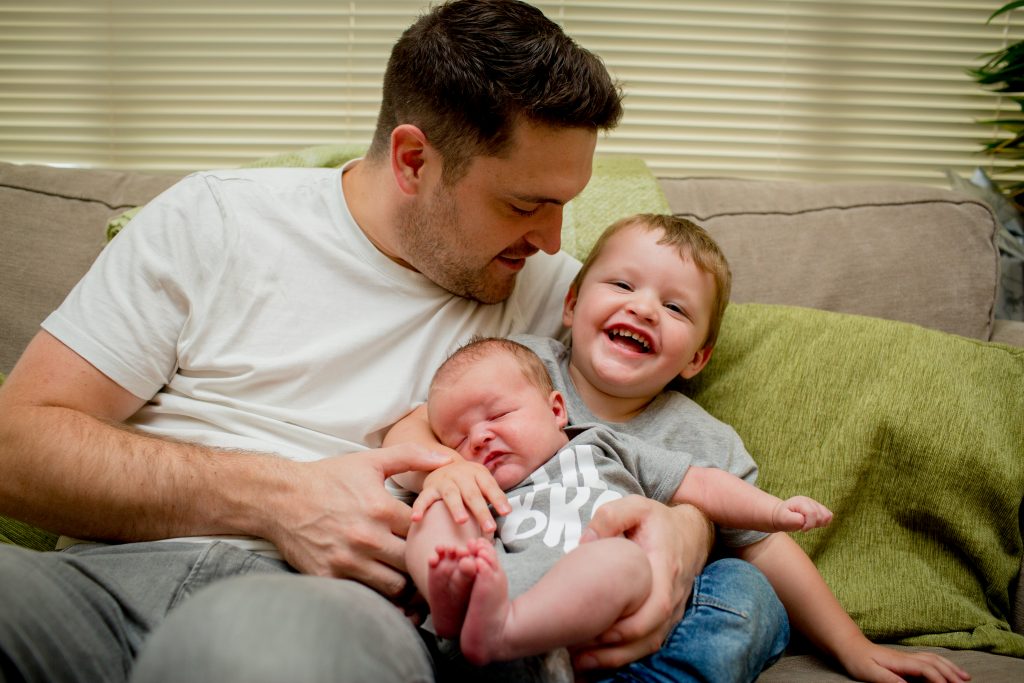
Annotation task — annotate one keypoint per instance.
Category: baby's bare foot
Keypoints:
(482, 638)
(449, 584)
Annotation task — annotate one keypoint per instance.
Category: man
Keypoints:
(249, 325)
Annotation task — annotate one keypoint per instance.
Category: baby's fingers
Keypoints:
(492, 492)
(477, 496)
(453, 500)
(423, 501)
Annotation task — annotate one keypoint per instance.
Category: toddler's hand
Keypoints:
(461, 485)
(871, 662)
(798, 513)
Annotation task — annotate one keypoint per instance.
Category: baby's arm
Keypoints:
(460, 484)
(731, 502)
(815, 612)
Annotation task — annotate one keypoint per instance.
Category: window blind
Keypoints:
(794, 89)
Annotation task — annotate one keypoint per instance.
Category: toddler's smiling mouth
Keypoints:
(629, 338)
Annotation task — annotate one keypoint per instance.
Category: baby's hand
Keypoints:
(461, 485)
(799, 513)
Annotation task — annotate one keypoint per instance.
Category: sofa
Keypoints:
(859, 361)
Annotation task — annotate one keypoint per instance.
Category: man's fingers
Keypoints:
(614, 520)
(614, 657)
(407, 457)
(630, 638)
(380, 577)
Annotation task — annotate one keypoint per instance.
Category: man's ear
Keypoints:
(408, 154)
(697, 363)
(557, 402)
(569, 306)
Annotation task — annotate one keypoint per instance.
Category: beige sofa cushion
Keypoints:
(900, 251)
(53, 227)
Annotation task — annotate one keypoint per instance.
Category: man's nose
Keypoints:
(547, 234)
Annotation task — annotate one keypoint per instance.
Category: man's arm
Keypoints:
(70, 467)
(677, 541)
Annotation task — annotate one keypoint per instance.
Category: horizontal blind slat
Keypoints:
(789, 89)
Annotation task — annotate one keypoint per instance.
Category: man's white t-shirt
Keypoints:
(251, 312)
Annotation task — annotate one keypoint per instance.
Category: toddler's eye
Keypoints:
(623, 285)
(675, 308)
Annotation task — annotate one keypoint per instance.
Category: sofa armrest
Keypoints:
(54, 220)
(1008, 332)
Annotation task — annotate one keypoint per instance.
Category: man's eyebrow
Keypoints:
(536, 199)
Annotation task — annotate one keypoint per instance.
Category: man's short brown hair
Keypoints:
(468, 71)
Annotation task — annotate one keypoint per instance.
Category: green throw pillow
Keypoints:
(19, 533)
(914, 438)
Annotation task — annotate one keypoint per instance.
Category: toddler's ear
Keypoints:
(569, 307)
(697, 363)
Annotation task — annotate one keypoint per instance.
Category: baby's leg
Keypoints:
(483, 629)
(576, 600)
(450, 577)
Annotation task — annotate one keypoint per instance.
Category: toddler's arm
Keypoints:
(460, 484)
(731, 502)
(818, 615)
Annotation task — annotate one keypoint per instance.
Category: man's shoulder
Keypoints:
(259, 178)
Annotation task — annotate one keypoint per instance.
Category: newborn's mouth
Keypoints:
(630, 339)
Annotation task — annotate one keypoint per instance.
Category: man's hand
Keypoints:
(338, 520)
(676, 541)
(461, 485)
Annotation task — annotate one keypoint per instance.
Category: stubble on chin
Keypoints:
(433, 246)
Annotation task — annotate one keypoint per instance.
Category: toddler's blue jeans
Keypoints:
(734, 628)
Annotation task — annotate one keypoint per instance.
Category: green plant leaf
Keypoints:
(1006, 8)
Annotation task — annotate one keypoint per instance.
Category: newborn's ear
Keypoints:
(557, 403)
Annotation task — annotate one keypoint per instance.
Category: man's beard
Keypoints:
(435, 245)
